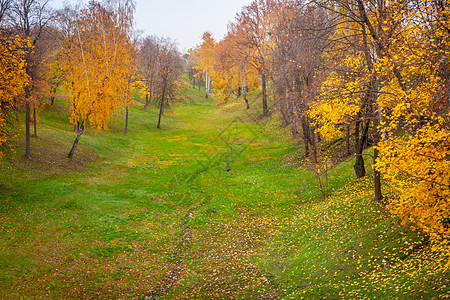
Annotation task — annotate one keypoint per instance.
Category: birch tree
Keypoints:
(205, 60)
(98, 62)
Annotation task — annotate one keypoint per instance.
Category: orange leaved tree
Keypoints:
(29, 18)
(205, 59)
(98, 61)
(233, 72)
(13, 77)
(256, 26)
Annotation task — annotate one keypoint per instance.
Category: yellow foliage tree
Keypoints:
(415, 108)
(98, 63)
(399, 66)
(233, 73)
(256, 26)
(13, 77)
(205, 59)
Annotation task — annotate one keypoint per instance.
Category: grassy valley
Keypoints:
(218, 204)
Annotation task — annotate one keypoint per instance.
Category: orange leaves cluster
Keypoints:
(419, 169)
(13, 76)
(414, 105)
(236, 62)
(233, 71)
(98, 63)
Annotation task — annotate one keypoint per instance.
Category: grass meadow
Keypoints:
(217, 204)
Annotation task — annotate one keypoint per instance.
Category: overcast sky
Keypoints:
(184, 21)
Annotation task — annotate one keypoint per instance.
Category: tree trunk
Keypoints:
(16, 112)
(313, 143)
(161, 107)
(359, 167)
(376, 179)
(264, 95)
(148, 98)
(126, 122)
(27, 129)
(284, 117)
(34, 122)
(52, 97)
(207, 86)
(243, 90)
(77, 139)
(306, 138)
(376, 174)
(294, 129)
(244, 95)
(147, 102)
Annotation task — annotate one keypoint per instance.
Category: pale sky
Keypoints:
(184, 21)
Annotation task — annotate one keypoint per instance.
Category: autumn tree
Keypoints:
(396, 79)
(414, 76)
(148, 67)
(233, 72)
(168, 77)
(98, 61)
(351, 91)
(13, 76)
(205, 59)
(297, 64)
(29, 18)
(191, 68)
(255, 21)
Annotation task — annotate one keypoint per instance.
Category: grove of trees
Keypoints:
(360, 74)
(90, 52)
(346, 74)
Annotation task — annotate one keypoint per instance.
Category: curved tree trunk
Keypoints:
(243, 90)
(77, 139)
(161, 107)
(359, 167)
(147, 102)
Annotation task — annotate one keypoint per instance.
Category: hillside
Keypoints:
(218, 204)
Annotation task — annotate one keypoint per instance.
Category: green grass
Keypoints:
(218, 194)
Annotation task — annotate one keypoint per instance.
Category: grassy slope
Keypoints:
(128, 211)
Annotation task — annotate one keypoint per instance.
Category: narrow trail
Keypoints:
(179, 264)
(178, 267)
